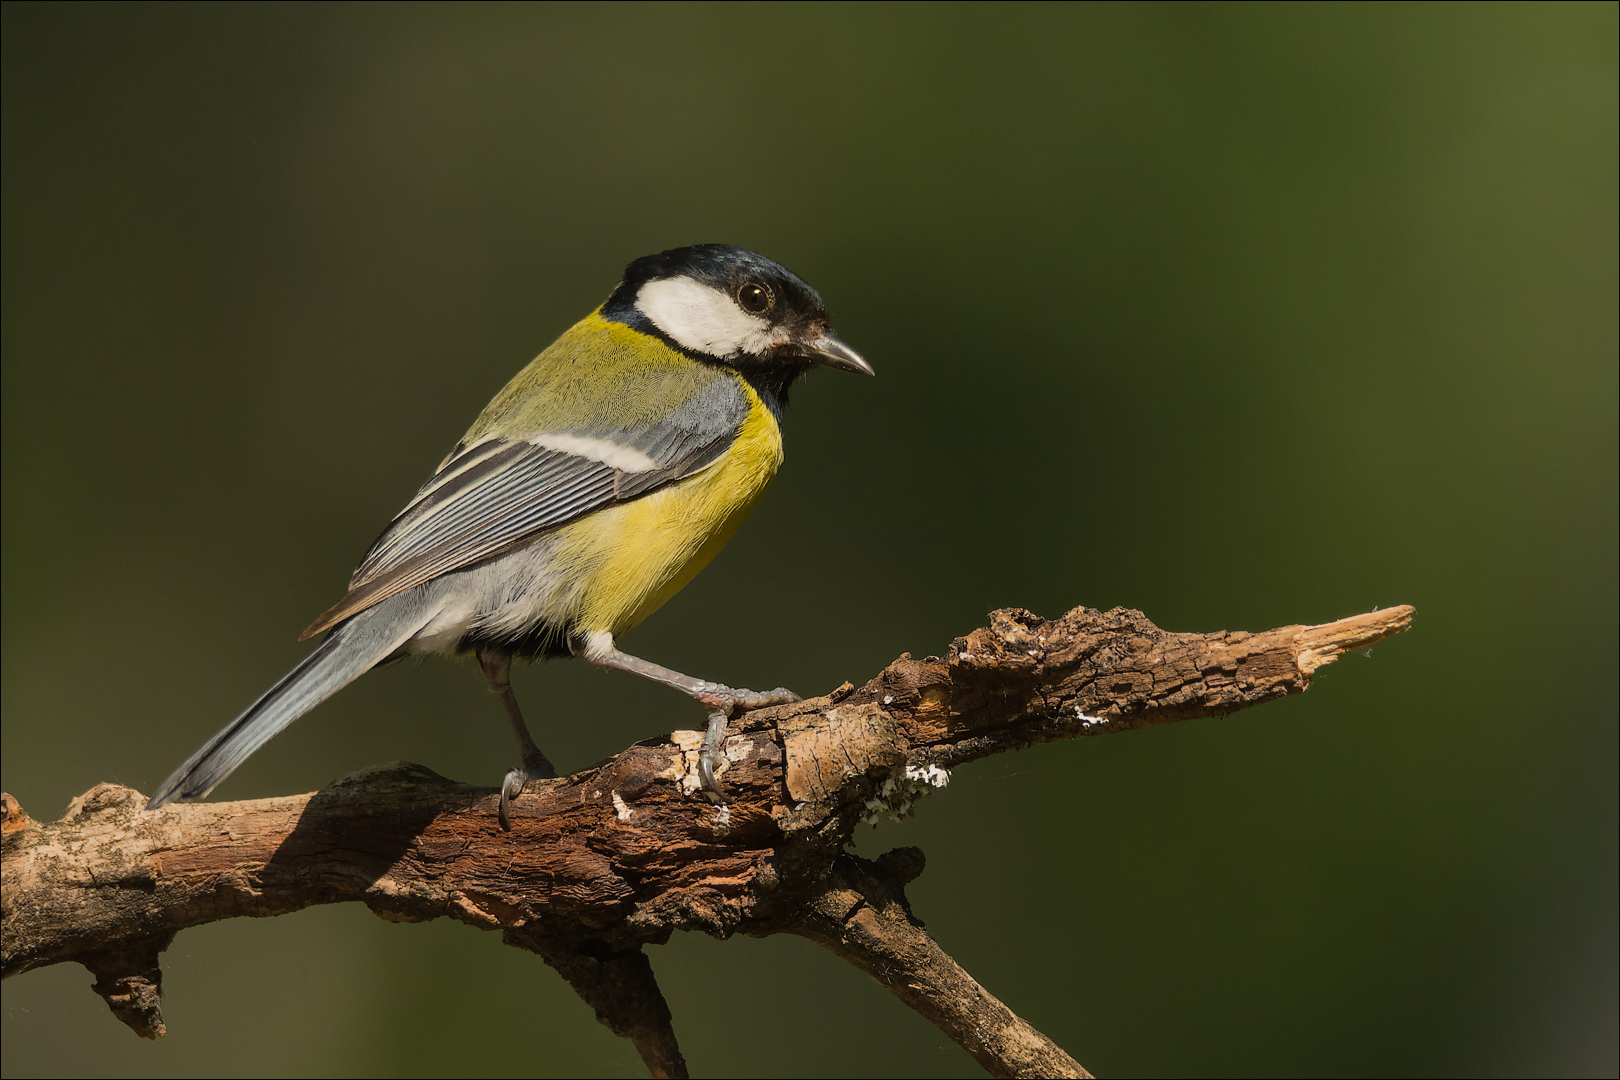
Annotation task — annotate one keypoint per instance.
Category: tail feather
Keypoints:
(344, 656)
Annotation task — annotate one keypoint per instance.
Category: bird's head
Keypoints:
(724, 304)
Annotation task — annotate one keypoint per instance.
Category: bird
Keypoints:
(590, 490)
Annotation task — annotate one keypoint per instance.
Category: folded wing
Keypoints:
(498, 493)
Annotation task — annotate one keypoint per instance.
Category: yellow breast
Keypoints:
(638, 555)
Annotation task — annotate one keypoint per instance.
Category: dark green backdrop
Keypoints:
(1239, 315)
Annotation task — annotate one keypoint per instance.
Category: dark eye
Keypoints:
(754, 298)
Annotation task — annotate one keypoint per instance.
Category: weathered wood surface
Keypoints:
(625, 853)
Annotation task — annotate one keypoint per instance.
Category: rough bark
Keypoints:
(599, 863)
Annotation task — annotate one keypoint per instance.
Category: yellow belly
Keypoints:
(638, 555)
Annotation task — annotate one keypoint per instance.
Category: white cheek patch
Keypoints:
(704, 319)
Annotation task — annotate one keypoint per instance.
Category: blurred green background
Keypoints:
(1239, 315)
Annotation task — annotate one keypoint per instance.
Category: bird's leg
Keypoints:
(723, 701)
(497, 667)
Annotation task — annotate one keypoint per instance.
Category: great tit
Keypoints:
(595, 485)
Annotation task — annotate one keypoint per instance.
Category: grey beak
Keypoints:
(827, 351)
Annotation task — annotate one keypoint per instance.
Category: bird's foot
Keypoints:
(724, 702)
(535, 767)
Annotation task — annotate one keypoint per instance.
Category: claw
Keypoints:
(511, 788)
(724, 703)
(714, 741)
(755, 699)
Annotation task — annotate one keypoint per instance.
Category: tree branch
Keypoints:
(620, 855)
(622, 990)
(862, 915)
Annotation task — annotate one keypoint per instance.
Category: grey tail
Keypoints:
(347, 653)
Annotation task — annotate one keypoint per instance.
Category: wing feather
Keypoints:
(496, 494)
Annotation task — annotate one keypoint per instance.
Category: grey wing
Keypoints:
(496, 494)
